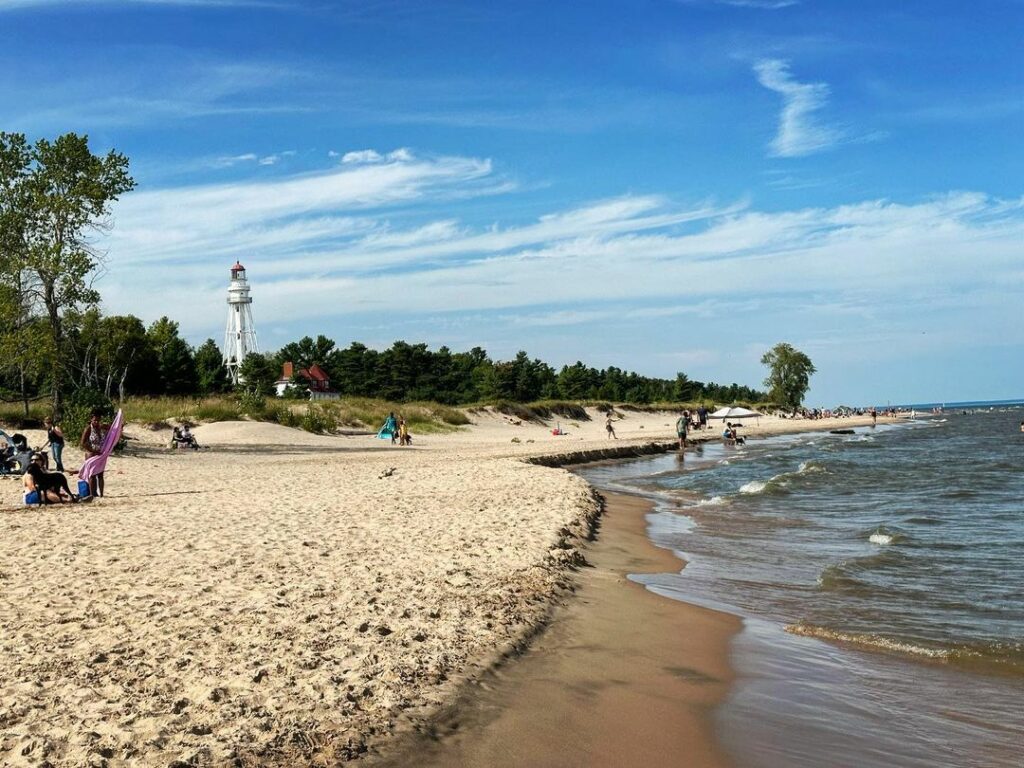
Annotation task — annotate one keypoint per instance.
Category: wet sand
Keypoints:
(620, 677)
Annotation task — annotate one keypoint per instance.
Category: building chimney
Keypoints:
(287, 371)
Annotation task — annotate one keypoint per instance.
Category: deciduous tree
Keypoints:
(789, 374)
(57, 194)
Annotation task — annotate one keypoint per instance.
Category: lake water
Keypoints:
(881, 579)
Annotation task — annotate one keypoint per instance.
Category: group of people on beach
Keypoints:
(396, 428)
(39, 484)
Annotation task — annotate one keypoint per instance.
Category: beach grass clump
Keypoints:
(322, 417)
(193, 410)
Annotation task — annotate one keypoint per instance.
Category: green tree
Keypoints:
(210, 371)
(110, 351)
(175, 364)
(25, 353)
(307, 352)
(789, 374)
(259, 373)
(57, 194)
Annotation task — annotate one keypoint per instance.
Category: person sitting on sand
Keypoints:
(609, 428)
(42, 487)
(183, 437)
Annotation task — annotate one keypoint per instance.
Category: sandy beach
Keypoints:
(282, 598)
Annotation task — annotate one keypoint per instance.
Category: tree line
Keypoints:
(409, 372)
(54, 341)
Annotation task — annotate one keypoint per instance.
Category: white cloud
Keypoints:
(799, 131)
(363, 156)
(324, 247)
(771, 5)
(227, 162)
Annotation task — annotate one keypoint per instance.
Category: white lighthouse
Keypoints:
(240, 335)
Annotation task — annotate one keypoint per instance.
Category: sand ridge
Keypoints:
(280, 597)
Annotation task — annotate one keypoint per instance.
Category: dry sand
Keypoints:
(283, 598)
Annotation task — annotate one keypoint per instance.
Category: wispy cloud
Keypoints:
(799, 132)
(771, 5)
(768, 5)
(344, 242)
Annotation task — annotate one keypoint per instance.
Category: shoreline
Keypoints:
(278, 632)
(618, 676)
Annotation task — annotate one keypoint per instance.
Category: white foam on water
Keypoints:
(714, 501)
(880, 538)
(867, 641)
(809, 466)
(754, 486)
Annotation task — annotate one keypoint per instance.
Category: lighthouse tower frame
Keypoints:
(240, 334)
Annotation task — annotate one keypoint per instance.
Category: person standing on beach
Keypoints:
(92, 443)
(609, 428)
(702, 415)
(55, 438)
(390, 427)
(682, 426)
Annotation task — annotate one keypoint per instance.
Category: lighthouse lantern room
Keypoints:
(240, 334)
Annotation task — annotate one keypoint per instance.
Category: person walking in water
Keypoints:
(609, 428)
(682, 426)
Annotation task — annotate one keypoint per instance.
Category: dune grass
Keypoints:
(325, 416)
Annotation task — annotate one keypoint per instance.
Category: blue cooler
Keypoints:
(84, 489)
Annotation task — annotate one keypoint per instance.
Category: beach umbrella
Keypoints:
(735, 412)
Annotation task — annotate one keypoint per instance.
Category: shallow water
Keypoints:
(882, 578)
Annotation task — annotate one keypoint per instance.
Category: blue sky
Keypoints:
(660, 185)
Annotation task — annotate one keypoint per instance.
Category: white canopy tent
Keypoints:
(734, 412)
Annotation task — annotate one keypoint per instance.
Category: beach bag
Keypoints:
(84, 489)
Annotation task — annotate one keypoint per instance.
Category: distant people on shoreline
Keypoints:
(609, 427)
(730, 436)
